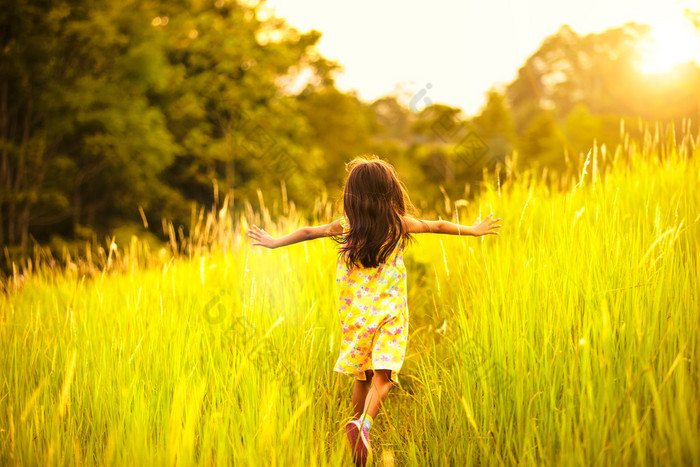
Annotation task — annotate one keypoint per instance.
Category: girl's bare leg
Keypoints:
(359, 394)
(380, 386)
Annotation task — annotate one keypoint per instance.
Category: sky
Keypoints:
(454, 51)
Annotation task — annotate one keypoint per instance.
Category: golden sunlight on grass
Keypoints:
(570, 340)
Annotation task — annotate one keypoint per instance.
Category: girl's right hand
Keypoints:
(485, 227)
(261, 237)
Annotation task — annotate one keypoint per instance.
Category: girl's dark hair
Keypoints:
(374, 201)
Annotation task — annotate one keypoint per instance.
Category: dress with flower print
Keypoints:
(373, 315)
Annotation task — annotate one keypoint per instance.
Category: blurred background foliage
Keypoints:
(117, 115)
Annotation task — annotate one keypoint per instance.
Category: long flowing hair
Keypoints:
(374, 202)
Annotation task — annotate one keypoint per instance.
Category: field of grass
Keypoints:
(572, 338)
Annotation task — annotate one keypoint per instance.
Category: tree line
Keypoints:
(116, 113)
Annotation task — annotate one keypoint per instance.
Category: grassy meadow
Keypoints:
(570, 339)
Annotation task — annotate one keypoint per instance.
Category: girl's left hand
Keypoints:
(486, 226)
(261, 237)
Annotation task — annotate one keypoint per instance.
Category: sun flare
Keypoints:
(671, 42)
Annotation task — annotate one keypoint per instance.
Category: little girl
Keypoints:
(371, 281)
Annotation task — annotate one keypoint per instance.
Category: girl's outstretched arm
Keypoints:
(479, 228)
(262, 238)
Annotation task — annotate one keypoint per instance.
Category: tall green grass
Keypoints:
(571, 338)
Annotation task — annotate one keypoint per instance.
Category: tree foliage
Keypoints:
(108, 107)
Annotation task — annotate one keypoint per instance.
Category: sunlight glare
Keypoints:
(672, 41)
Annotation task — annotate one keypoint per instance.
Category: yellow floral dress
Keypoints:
(373, 314)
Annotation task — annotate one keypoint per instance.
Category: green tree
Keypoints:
(80, 140)
(342, 127)
(593, 80)
(230, 102)
(495, 126)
